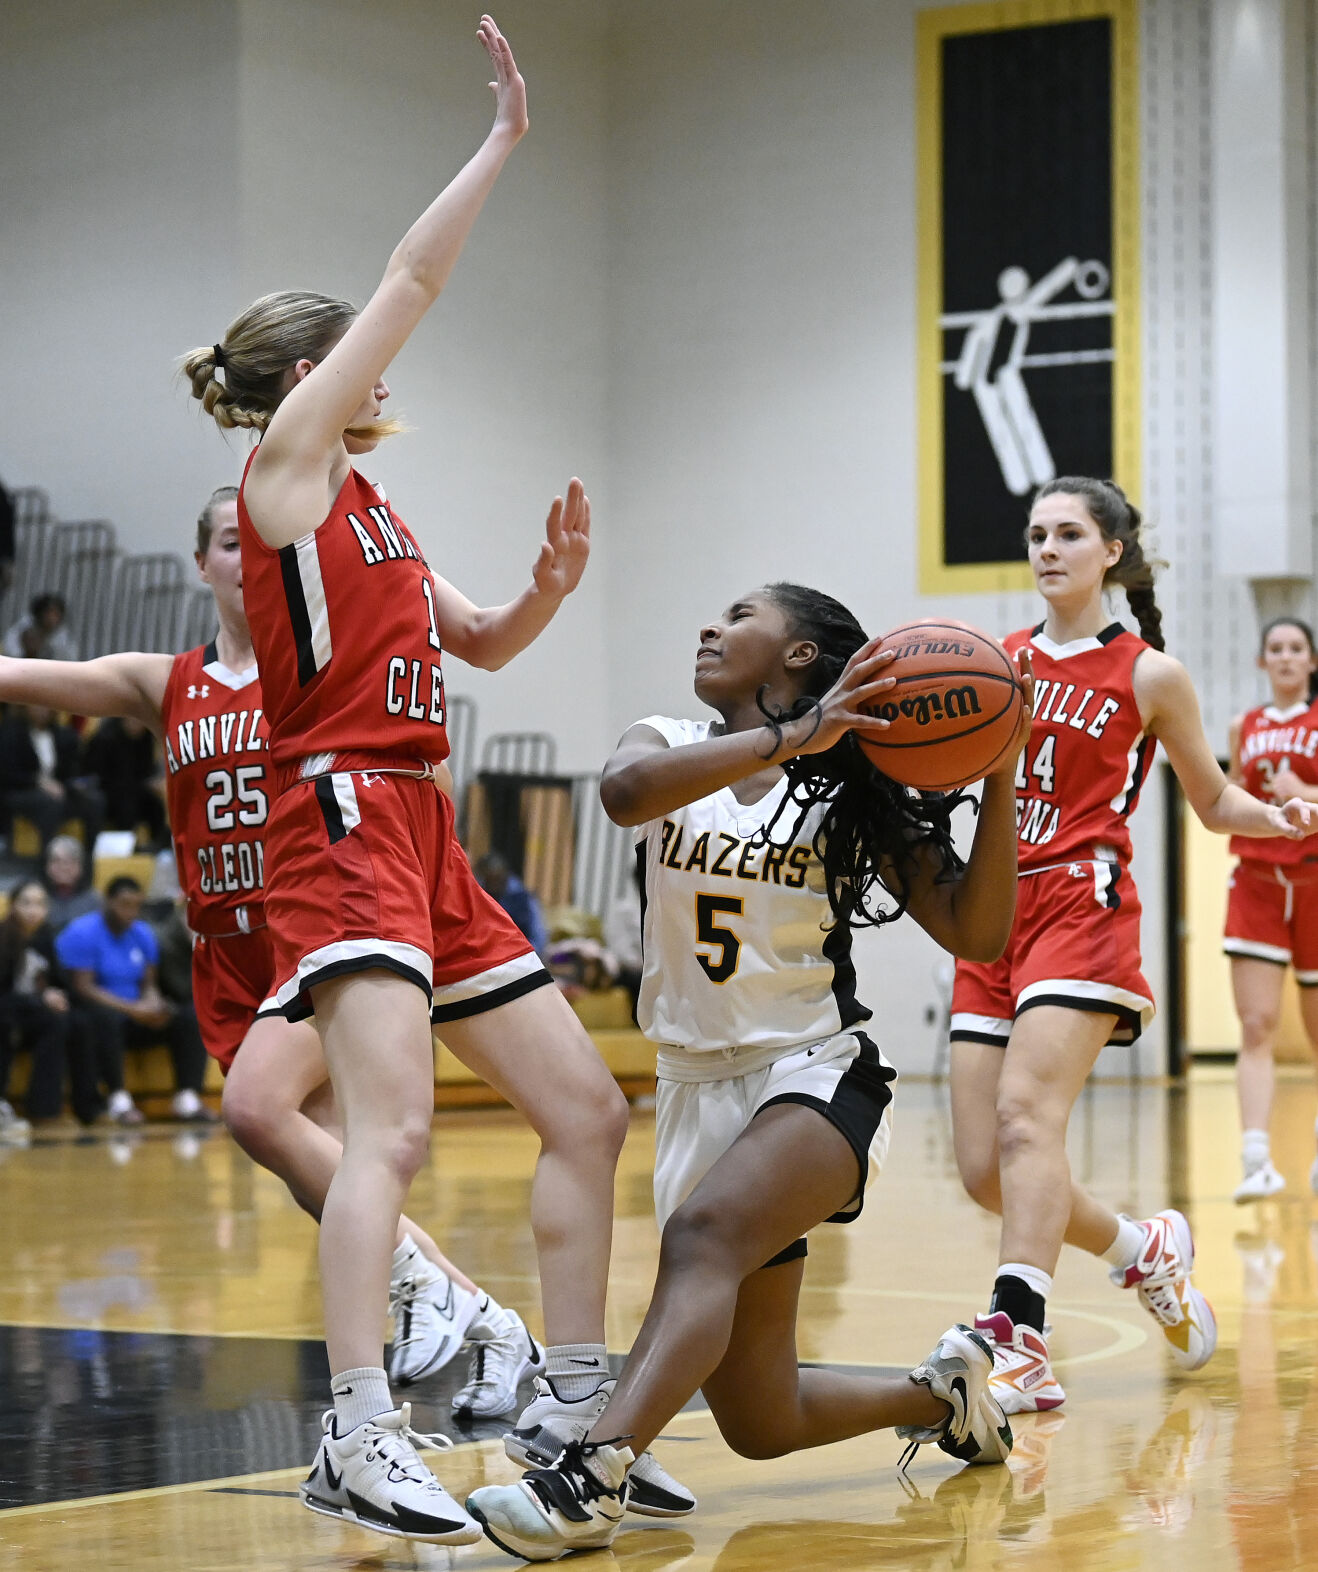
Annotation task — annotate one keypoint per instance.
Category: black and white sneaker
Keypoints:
(549, 1422)
(958, 1371)
(373, 1477)
(575, 1505)
(503, 1353)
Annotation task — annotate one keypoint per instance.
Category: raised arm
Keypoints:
(292, 463)
(130, 685)
(490, 636)
(646, 778)
(1169, 708)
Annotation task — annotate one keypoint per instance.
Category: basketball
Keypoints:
(954, 710)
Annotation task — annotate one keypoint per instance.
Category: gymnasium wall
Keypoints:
(695, 285)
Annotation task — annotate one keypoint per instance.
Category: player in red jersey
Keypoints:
(1027, 1030)
(1272, 908)
(205, 705)
(371, 902)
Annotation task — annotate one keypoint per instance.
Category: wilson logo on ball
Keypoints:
(926, 708)
(954, 710)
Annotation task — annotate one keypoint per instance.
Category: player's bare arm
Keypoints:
(1169, 708)
(489, 637)
(131, 685)
(302, 462)
(971, 916)
(645, 778)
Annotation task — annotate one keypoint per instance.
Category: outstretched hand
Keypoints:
(508, 87)
(562, 559)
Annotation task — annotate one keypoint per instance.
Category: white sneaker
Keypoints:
(1259, 1183)
(958, 1371)
(575, 1505)
(373, 1477)
(1023, 1381)
(430, 1316)
(549, 1423)
(1161, 1273)
(498, 1364)
(121, 1109)
(14, 1130)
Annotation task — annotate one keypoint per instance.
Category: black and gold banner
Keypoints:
(1028, 227)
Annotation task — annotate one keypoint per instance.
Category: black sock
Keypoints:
(1018, 1302)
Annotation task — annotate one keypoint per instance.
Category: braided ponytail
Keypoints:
(1119, 519)
(259, 348)
(871, 826)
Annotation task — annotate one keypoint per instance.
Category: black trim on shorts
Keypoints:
(856, 1110)
(298, 615)
(796, 1251)
(1127, 1019)
(299, 1008)
(958, 1036)
(330, 810)
(479, 1003)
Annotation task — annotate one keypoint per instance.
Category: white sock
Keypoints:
(1127, 1245)
(490, 1320)
(359, 1395)
(1033, 1277)
(409, 1262)
(577, 1369)
(1255, 1149)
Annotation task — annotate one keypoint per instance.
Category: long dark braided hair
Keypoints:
(1118, 519)
(871, 826)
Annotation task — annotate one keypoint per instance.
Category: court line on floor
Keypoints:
(245, 1483)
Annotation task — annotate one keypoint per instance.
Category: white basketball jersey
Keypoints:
(741, 948)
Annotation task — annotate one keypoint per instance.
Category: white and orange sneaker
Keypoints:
(1022, 1381)
(1161, 1273)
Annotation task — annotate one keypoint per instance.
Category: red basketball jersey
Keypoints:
(216, 757)
(1270, 740)
(1080, 774)
(344, 627)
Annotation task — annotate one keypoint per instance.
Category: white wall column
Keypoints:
(1263, 400)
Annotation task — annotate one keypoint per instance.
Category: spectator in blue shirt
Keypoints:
(110, 957)
(495, 877)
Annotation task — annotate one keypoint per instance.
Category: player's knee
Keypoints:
(1021, 1126)
(698, 1233)
(1258, 1027)
(749, 1437)
(252, 1119)
(590, 1122)
(404, 1148)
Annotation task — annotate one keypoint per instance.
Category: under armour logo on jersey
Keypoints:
(195, 692)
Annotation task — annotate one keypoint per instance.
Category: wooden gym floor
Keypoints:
(161, 1383)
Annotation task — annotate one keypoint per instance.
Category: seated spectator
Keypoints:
(110, 957)
(495, 876)
(42, 634)
(69, 896)
(39, 774)
(122, 755)
(34, 1011)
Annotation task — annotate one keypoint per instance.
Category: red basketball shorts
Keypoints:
(232, 977)
(1272, 915)
(1075, 942)
(364, 873)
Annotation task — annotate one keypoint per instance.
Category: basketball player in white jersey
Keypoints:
(763, 837)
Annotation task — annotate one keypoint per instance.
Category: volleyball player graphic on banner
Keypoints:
(1028, 314)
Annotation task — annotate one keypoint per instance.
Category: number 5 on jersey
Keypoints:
(708, 931)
